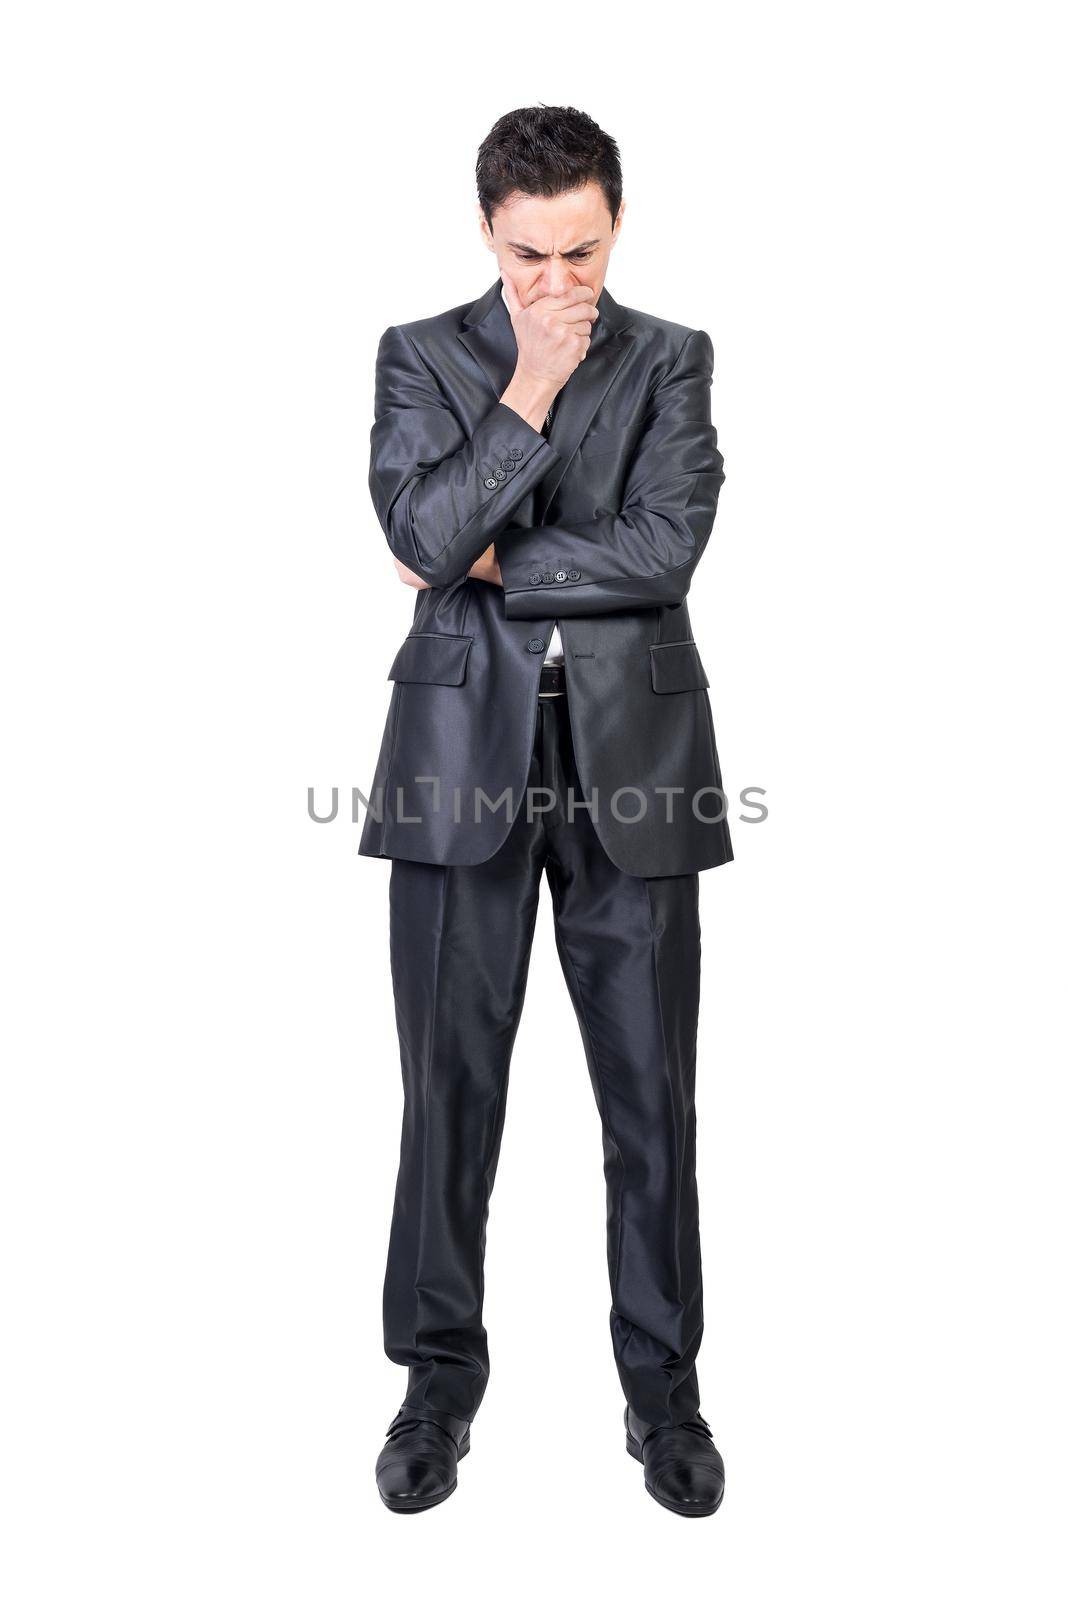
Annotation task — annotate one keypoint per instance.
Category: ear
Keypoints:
(619, 221)
(484, 229)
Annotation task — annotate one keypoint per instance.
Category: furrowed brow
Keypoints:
(530, 250)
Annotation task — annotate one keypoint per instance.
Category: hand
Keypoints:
(552, 334)
(408, 576)
(487, 567)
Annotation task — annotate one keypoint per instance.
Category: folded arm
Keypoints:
(644, 554)
(440, 497)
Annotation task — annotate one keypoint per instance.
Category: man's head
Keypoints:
(550, 197)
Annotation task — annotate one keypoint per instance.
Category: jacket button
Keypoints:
(535, 646)
(491, 483)
(561, 577)
(573, 574)
(508, 464)
(535, 577)
(499, 474)
(516, 455)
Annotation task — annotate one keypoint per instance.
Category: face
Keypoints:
(549, 245)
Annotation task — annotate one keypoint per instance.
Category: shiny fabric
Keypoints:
(460, 940)
(599, 529)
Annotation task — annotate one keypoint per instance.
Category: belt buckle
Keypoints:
(551, 682)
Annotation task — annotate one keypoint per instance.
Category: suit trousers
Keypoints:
(630, 949)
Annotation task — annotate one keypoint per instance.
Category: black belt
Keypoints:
(552, 678)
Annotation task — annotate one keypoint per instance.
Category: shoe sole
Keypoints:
(432, 1501)
(634, 1449)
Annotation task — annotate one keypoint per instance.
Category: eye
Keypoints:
(583, 255)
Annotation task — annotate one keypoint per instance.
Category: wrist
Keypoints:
(530, 396)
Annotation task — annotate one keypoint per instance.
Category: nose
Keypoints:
(558, 276)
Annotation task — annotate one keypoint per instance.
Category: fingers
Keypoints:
(580, 332)
(580, 296)
(406, 575)
(580, 313)
(572, 305)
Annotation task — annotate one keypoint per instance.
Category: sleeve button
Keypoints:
(535, 577)
(491, 483)
(516, 455)
(573, 574)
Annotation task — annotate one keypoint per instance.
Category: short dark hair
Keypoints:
(546, 150)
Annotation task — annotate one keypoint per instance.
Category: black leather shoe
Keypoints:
(683, 1468)
(417, 1465)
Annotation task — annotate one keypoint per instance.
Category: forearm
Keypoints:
(529, 397)
(631, 559)
(645, 553)
(437, 521)
(442, 497)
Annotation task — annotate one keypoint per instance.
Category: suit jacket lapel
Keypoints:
(488, 336)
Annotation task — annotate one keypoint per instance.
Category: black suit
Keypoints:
(598, 528)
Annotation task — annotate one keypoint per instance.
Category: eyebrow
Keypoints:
(516, 244)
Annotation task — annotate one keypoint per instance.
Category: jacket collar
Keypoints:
(488, 336)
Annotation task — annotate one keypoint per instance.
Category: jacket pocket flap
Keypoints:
(676, 667)
(432, 658)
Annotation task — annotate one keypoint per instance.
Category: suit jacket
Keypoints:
(598, 528)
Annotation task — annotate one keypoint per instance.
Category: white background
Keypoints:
(212, 212)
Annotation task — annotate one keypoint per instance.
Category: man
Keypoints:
(546, 473)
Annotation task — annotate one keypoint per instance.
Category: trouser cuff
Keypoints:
(455, 1427)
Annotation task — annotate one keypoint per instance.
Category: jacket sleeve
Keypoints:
(644, 554)
(441, 497)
